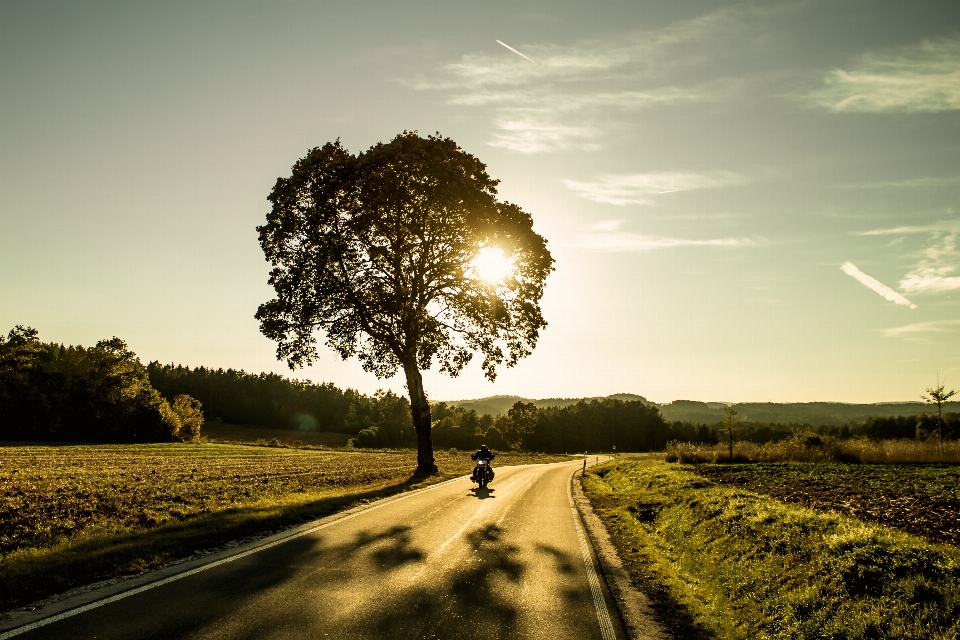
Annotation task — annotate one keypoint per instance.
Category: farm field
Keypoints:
(230, 433)
(920, 499)
(74, 514)
(722, 562)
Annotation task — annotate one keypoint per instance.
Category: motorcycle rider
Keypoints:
(483, 453)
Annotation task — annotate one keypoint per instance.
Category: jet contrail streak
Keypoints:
(516, 52)
(875, 285)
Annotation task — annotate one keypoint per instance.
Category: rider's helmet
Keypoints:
(484, 447)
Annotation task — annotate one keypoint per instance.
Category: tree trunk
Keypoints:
(940, 430)
(420, 412)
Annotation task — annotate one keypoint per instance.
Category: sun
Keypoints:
(492, 265)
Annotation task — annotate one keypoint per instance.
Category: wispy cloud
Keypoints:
(636, 188)
(921, 78)
(938, 268)
(920, 327)
(571, 84)
(934, 227)
(532, 135)
(935, 272)
(874, 285)
(927, 182)
(607, 236)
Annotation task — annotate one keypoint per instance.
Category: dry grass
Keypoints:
(811, 447)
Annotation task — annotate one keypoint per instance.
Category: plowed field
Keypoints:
(920, 499)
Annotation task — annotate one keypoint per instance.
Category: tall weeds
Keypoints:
(811, 447)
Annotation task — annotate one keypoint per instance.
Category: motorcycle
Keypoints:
(483, 473)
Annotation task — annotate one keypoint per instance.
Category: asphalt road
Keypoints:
(452, 562)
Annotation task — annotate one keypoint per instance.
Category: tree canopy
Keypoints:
(50, 391)
(378, 251)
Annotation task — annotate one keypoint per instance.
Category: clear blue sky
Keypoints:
(746, 202)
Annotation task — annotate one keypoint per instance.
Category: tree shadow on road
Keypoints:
(469, 604)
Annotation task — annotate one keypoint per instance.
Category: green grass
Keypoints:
(749, 566)
(75, 514)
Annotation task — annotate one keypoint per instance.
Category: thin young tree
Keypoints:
(938, 395)
(404, 257)
(729, 424)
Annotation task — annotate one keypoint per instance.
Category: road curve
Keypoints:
(452, 561)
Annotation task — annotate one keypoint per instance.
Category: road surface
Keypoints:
(452, 561)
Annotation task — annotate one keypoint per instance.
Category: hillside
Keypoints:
(500, 405)
(812, 413)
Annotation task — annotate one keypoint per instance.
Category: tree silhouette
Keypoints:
(523, 421)
(376, 251)
(937, 395)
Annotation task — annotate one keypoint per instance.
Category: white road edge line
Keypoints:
(603, 613)
(159, 583)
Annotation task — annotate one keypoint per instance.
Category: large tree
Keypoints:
(404, 257)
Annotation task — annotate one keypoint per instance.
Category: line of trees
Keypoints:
(918, 427)
(53, 392)
(383, 420)
(273, 401)
(597, 425)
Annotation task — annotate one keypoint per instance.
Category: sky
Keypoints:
(746, 202)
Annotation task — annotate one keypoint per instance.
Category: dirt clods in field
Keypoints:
(916, 499)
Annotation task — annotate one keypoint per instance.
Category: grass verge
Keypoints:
(77, 514)
(748, 566)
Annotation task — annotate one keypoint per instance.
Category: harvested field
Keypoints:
(70, 515)
(920, 499)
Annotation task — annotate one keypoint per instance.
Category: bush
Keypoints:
(188, 412)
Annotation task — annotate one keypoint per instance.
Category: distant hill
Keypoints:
(833, 414)
(500, 405)
(812, 413)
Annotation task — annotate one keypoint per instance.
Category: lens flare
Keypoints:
(491, 265)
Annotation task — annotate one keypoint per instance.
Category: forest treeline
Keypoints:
(53, 392)
(271, 400)
(919, 427)
(383, 420)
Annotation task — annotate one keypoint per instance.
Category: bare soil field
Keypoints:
(922, 499)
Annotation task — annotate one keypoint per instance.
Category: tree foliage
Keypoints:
(267, 399)
(524, 417)
(937, 396)
(374, 251)
(102, 393)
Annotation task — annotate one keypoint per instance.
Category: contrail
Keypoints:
(516, 52)
(872, 283)
(671, 191)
